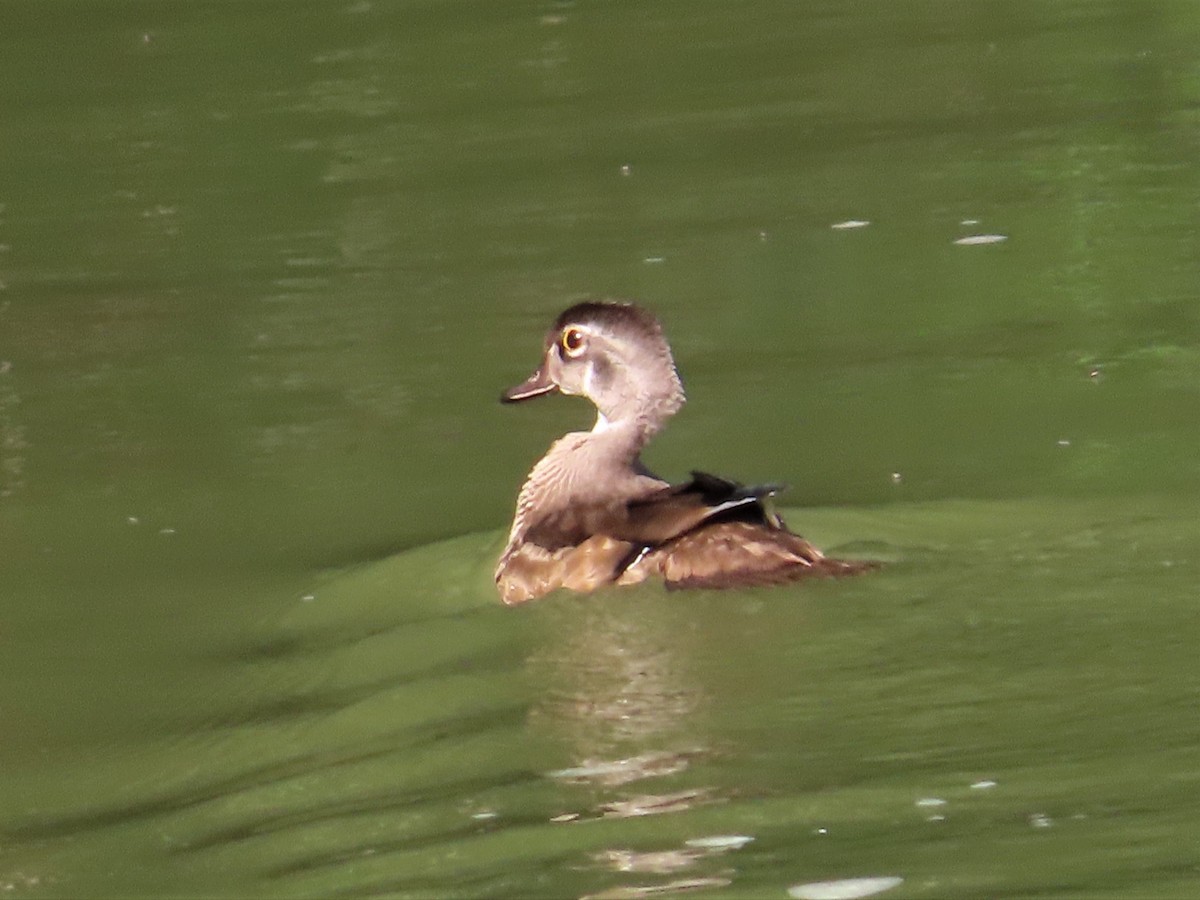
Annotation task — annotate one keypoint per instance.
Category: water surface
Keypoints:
(265, 269)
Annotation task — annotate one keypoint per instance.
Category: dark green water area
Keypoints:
(264, 271)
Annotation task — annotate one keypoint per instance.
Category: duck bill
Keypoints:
(534, 386)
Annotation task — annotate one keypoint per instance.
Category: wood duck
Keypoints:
(590, 514)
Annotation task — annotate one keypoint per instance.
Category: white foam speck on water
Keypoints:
(972, 240)
(931, 801)
(969, 222)
(580, 771)
(720, 842)
(845, 889)
(850, 224)
(983, 785)
(595, 769)
(1040, 820)
(654, 260)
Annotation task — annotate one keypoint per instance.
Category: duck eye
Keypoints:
(572, 341)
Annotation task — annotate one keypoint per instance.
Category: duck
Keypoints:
(590, 514)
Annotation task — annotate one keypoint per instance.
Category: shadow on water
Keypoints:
(637, 742)
(392, 746)
(320, 732)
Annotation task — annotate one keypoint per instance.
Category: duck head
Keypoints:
(616, 356)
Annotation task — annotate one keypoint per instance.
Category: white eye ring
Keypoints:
(573, 342)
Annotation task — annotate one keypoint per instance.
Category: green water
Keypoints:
(265, 269)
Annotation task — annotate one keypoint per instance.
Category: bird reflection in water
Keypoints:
(617, 692)
(617, 689)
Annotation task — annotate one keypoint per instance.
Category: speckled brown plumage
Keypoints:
(591, 515)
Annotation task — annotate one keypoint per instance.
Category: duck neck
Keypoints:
(633, 417)
(624, 437)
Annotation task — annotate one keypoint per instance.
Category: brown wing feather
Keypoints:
(707, 533)
(646, 521)
(742, 554)
(671, 512)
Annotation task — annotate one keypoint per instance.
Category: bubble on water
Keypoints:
(720, 842)
(850, 224)
(845, 889)
(973, 240)
(983, 785)
(931, 801)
